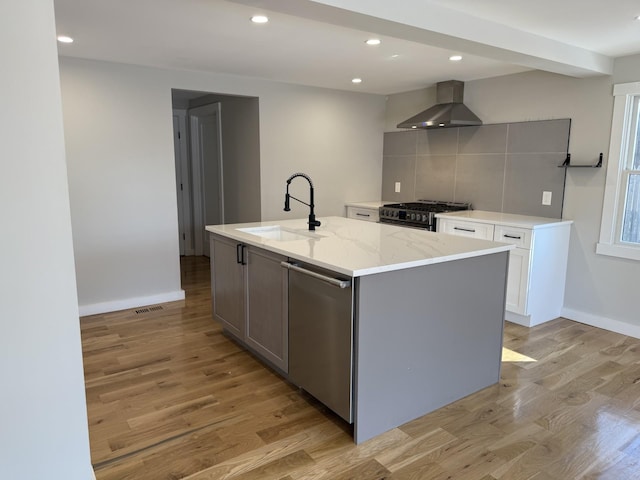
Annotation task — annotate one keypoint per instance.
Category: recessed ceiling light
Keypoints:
(395, 55)
(638, 17)
(373, 41)
(259, 19)
(455, 58)
(65, 39)
(356, 80)
(413, 126)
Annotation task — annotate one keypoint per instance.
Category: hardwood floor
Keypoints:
(170, 397)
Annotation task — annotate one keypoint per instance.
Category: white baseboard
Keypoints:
(602, 322)
(524, 320)
(125, 304)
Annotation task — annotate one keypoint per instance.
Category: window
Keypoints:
(620, 229)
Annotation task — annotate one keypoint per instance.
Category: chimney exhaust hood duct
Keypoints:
(448, 112)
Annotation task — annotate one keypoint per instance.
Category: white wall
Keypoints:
(121, 169)
(119, 137)
(43, 419)
(600, 290)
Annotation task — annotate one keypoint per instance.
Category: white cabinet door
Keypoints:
(518, 280)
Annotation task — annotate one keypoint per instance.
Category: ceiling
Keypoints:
(322, 42)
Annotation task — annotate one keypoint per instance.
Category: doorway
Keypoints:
(207, 172)
(217, 150)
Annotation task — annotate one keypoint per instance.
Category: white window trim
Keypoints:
(613, 206)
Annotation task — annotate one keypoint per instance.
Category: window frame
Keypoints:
(623, 130)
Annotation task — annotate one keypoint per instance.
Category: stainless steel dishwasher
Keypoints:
(321, 335)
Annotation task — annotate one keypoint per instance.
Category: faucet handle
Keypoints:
(313, 223)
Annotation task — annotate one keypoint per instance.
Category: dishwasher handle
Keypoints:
(330, 280)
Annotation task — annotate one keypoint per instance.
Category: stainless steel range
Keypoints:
(420, 214)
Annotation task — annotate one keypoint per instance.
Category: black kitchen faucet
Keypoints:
(313, 223)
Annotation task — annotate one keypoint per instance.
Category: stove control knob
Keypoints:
(424, 218)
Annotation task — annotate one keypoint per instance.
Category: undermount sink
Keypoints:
(276, 232)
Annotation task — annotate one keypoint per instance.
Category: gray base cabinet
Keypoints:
(227, 285)
(249, 297)
(394, 346)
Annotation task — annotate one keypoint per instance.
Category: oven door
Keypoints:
(407, 223)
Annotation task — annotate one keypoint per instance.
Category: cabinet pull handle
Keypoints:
(516, 237)
(240, 254)
(363, 214)
(471, 230)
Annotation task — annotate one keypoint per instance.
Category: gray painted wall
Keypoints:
(119, 134)
(600, 290)
(501, 167)
(43, 414)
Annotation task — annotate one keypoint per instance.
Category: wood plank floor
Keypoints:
(170, 397)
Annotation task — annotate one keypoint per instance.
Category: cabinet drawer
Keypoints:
(368, 214)
(466, 229)
(520, 237)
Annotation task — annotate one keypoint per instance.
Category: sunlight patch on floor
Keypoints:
(511, 356)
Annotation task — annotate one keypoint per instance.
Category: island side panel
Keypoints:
(425, 337)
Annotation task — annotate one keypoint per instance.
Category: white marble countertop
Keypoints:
(356, 248)
(506, 219)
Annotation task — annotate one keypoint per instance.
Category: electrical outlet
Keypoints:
(397, 187)
(546, 198)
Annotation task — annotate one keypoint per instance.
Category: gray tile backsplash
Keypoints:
(402, 143)
(483, 139)
(435, 177)
(401, 168)
(438, 142)
(550, 136)
(529, 174)
(480, 181)
(501, 167)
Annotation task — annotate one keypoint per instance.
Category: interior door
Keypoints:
(183, 181)
(206, 151)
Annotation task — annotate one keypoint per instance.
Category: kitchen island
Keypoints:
(425, 316)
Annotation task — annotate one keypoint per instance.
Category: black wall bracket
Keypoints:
(567, 163)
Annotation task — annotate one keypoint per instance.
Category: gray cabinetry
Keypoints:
(266, 307)
(227, 285)
(249, 297)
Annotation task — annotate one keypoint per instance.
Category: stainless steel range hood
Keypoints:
(448, 112)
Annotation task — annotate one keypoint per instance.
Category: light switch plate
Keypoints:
(397, 187)
(546, 198)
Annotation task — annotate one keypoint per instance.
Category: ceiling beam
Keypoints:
(423, 22)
